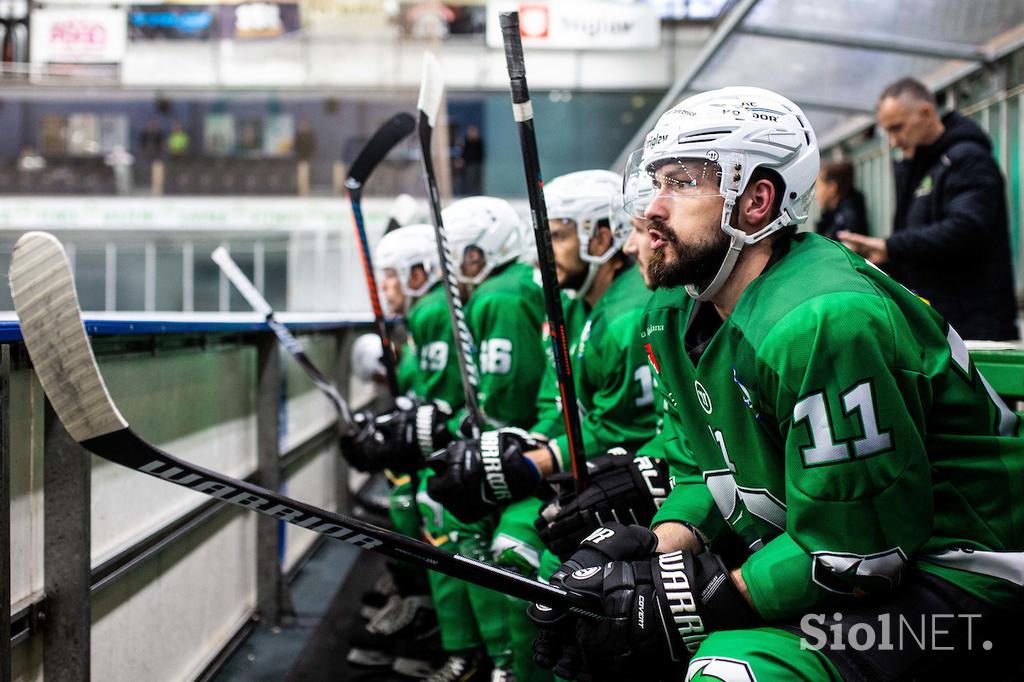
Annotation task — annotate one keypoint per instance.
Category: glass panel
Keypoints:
(131, 278)
(821, 72)
(275, 273)
(242, 255)
(206, 277)
(90, 276)
(168, 277)
(955, 21)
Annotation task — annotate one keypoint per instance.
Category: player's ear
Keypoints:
(756, 203)
(601, 241)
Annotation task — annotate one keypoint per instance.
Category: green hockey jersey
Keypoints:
(838, 425)
(436, 374)
(614, 384)
(504, 316)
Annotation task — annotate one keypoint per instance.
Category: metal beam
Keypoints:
(729, 24)
(936, 49)
(66, 527)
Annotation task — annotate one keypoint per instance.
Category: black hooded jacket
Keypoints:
(950, 242)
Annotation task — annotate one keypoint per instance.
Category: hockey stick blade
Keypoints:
(431, 97)
(47, 306)
(522, 111)
(255, 300)
(394, 130)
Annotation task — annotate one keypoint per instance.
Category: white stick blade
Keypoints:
(51, 325)
(431, 88)
(249, 292)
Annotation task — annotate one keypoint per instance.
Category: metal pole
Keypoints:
(5, 514)
(66, 527)
(269, 582)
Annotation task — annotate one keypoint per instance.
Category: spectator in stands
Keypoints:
(151, 140)
(842, 205)
(305, 141)
(178, 141)
(471, 162)
(950, 241)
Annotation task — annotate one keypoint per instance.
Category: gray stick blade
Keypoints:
(43, 288)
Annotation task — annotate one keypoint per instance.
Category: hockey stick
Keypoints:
(44, 295)
(256, 301)
(394, 130)
(522, 110)
(431, 96)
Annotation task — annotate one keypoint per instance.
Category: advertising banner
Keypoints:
(579, 24)
(78, 36)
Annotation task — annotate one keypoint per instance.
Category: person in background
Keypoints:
(178, 141)
(950, 241)
(842, 205)
(471, 162)
(151, 140)
(305, 141)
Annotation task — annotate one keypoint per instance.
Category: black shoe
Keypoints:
(402, 619)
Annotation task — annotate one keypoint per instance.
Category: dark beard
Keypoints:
(574, 280)
(695, 264)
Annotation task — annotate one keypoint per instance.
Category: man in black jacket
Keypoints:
(950, 241)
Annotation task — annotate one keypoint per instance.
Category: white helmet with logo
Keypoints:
(729, 132)
(403, 249)
(487, 223)
(586, 198)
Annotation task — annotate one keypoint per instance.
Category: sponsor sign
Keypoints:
(578, 24)
(78, 36)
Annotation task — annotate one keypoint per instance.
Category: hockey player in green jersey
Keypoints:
(410, 270)
(843, 469)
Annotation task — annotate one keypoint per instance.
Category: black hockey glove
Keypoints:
(476, 477)
(402, 439)
(658, 607)
(622, 488)
(353, 446)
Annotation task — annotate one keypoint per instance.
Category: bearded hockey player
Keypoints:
(832, 426)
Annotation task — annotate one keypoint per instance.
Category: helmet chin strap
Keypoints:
(592, 269)
(736, 244)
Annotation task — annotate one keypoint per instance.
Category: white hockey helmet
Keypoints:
(733, 131)
(586, 198)
(403, 249)
(487, 223)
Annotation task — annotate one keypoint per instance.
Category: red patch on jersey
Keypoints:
(654, 360)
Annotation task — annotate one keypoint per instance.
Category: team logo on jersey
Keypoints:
(746, 394)
(702, 396)
(654, 360)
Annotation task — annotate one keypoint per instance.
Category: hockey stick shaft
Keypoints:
(258, 303)
(394, 130)
(44, 295)
(522, 110)
(431, 95)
